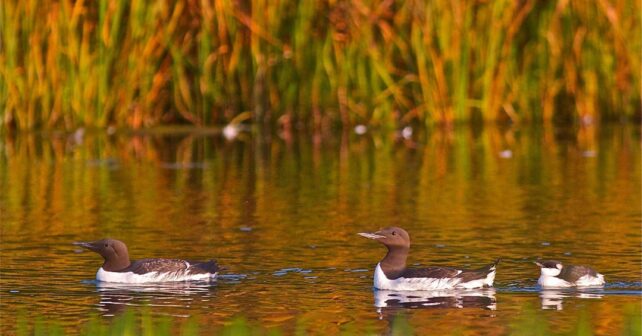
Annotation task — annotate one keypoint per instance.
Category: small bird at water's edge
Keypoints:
(118, 268)
(391, 272)
(556, 275)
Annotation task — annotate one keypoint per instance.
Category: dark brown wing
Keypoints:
(157, 265)
(572, 273)
(171, 265)
(447, 272)
(430, 272)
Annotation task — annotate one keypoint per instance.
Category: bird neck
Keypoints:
(116, 263)
(394, 263)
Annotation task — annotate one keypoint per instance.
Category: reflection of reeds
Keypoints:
(138, 63)
(529, 322)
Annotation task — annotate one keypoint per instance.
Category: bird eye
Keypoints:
(106, 245)
(394, 233)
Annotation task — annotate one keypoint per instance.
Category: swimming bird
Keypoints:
(556, 274)
(118, 268)
(391, 272)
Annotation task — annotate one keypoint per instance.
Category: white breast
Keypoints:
(551, 281)
(130, 277)
(400, 284)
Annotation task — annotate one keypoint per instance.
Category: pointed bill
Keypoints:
(87, 245)
(371, 235)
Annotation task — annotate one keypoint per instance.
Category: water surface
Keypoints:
(281, 214)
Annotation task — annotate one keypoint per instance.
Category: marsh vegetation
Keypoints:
(317, 64)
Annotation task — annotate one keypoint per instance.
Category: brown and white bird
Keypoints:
(556, 274)
(118, 268)
(391, 272)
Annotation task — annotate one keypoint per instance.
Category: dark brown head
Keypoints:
(113, 251)
(397, 241)
(392, 237)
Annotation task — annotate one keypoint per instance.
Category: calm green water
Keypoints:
(282, 213)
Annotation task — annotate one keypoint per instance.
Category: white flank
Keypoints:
(547, 281)
(414, 284)
(131, 277)
(479, 283)
(590, 281)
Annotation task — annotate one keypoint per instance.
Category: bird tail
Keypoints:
(490, 267)
(486, 272)
(208, 266)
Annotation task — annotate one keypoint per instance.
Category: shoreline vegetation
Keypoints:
(316, 64)
(142, 322)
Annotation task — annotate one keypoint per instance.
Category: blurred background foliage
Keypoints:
(316, 64)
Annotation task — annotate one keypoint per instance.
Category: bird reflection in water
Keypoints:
(554, 298)
(389, 302)
(115, 297)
